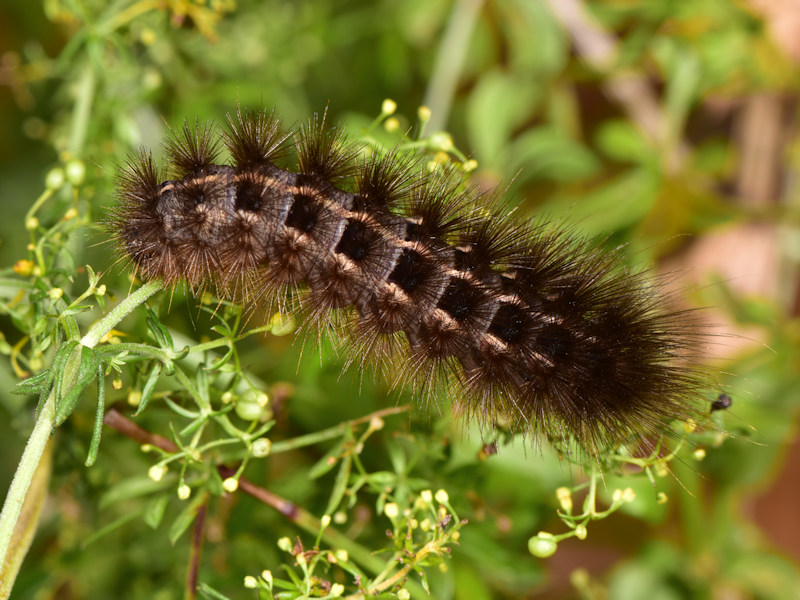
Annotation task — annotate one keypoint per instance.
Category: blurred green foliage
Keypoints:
(92, 80)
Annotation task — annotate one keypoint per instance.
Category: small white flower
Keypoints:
(156, 472)
(342, 555)
(261, 447)
(285, 544)
(628, 495)
(388, 107)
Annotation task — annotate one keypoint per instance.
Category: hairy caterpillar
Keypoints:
(532, 328)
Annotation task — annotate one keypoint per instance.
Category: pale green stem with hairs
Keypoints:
(37, 443)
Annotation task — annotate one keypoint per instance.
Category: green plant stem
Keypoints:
(45, 422)
(298, 515)
(308, 522)
(332, 432)
(19, 489)
(83, 109)
(107, 323)
(449, 60)
(224, 341)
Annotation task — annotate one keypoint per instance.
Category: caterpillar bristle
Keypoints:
(191, 150)
(386, 181)
(255, 138)
(134, 222)
(324, 153)
(530, 328)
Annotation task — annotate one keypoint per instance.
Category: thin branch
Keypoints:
(298, 515)
(196, 551)
(116, 420)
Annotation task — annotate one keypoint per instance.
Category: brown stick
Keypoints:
(197, 549)
(116, 420)
(286, 508)
(301, 517)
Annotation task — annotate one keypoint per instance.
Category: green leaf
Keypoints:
(111, 527)
(622, 202)
(74, 310)
(340, 485)
(499, 103)
(186, 518)
(221, 362)
(209, 592)
(160, 331)
(201, 379)
(682, 88)
(155, 509)
(149, 386)
(87, 371)
(622, 141)
(298, 583)
(34, 385)
(424, 580)
(134, 487)
(546, 153)
(283, 584)
(55, 372)
(214, 483)
(98, 420)
(327, 462)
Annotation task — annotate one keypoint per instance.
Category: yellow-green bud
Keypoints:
(564, 496)
(285, 544)
(75, 171)
(441, 140)
(54, 179)
(184, 491)
(262, 447)
(156, 472)
(388, 107)
(542, 545)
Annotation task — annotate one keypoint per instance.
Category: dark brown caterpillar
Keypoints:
(532, 328)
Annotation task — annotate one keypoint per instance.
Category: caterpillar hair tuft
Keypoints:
(531, 328)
